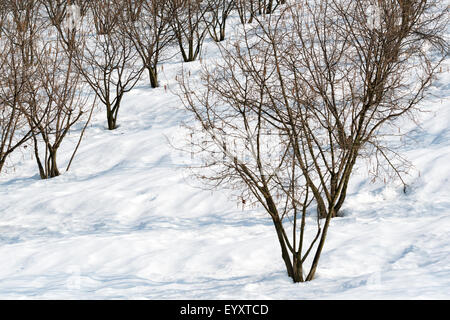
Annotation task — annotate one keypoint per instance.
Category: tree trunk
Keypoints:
(222, 34)
(284, 250)
(298, 269)
(54, 172)
(315, 263)
(153, 77)
(191, 50)
(42, 172)
(111, 119)
(269, 7)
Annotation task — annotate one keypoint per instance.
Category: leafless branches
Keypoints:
(146, 24)
(42, 94)
(108, 61)
(326, 80)
(189, 26)
(61, 102)
(20, 27)
(216, 17)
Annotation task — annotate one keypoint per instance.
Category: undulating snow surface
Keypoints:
(126, 222)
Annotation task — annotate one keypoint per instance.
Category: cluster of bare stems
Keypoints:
(41, 93)
(304, 94)
(112, 42)
(249, 9)
(61, 57)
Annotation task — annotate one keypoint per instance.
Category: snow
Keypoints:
(127, 222)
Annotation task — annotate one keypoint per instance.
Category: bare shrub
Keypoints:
(217, 16)
(300, 98)
(107, 61)
(20, 27)
(61, 103)
(189, 26)
(146, 24)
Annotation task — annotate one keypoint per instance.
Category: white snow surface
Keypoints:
(126, 222)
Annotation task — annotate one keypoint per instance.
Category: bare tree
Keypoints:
(248, 9)
(13, 130)
(82, 4)
(20, 27)
(61, 102)
(216, 17)
(107, 61)
(323, 82)
(189, 26)
(146, 24)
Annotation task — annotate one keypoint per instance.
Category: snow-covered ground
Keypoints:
(127, 222)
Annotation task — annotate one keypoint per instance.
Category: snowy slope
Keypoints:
(126, 222)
